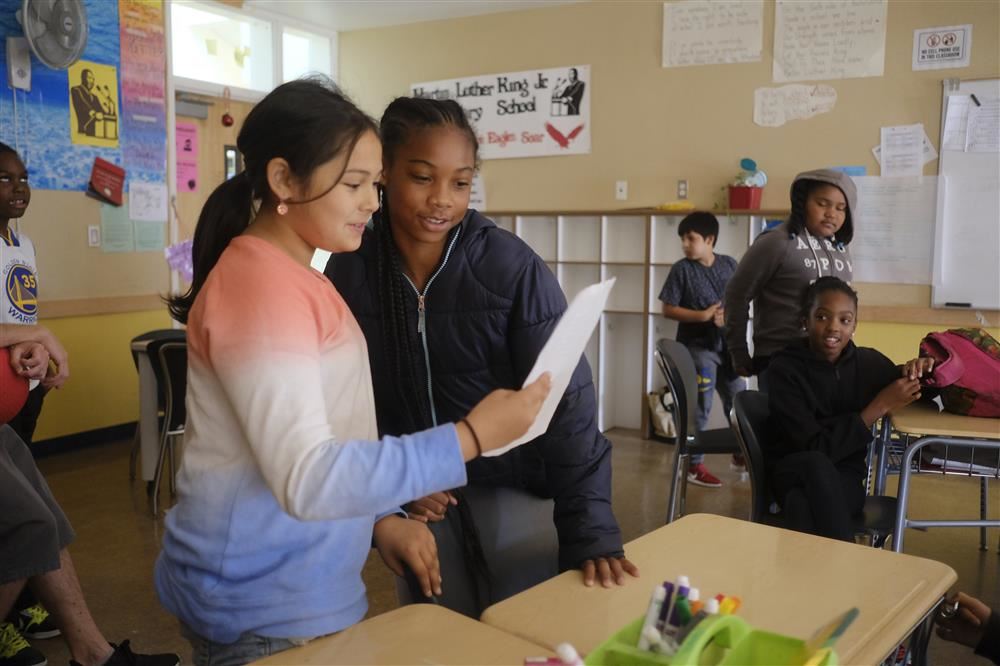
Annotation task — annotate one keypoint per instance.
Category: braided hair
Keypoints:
(822, 285)
(401, 120)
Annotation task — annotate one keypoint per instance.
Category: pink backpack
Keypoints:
(966, 370)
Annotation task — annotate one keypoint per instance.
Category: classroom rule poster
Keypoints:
(533, 113)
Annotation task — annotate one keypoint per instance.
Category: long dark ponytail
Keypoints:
(307, 122)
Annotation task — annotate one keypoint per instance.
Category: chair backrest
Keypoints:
(173, 366)
(681, 377)
(749, 422)
(154, 339)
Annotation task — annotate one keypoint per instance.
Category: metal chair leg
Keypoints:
(984, 496)
(672, 499)
(134, 455)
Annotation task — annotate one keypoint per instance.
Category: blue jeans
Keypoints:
(713, 375)
(247, 648)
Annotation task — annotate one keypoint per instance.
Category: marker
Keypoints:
(652, 613)
(543, 661)
(568, 654)
(661, 620)
(711, 608)
(975, 100)
(694, 597)
(683, 589)
(950, 304)
(730, 605)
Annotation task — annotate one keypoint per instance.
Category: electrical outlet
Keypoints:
(621, 190)
(682, 189)
(93, 235)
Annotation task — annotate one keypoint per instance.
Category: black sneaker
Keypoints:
(34, 622)
(123, 656)
(15, 651)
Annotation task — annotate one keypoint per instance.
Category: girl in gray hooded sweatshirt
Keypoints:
(782, 262)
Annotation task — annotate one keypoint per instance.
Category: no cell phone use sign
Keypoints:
(942, 48)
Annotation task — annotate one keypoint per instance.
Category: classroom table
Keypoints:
(790, 583)
(416, 634)
(930, 426)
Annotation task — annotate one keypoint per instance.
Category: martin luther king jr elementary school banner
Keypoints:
(523, 114)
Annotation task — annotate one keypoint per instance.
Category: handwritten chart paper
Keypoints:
(829, 39)
(894, 229)
(956, 122)
(902, 150)
(702, 32)
(773, 107)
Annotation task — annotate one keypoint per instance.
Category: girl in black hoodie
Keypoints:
(825, 394)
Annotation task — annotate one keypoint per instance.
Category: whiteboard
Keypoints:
(966, 270)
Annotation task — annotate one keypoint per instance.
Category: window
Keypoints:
(303, 53)
(216, 46)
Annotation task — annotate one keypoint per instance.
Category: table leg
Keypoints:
(883, 456)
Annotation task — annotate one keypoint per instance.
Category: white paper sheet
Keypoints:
(147, 202)
(828, 39)
(928, 151)
(562, 353)
(984, 126)
(902, 150)
(773, 107)
(894, 229)
(956, 122)
(704, 32)
(945, 47)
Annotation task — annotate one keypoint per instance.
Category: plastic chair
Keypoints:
(677, 367)
(153, 339)
(172, 361)
(749, 422)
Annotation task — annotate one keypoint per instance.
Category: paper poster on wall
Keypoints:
(773, 107)
(984, 126)
(902, 150)
(828, 39)
(942, 48)
(894, 229)
(956, 122)
(523, 114)
(116, 229)
(150, 236)
(477, 197)
(187, 157)
(712, 32)
(143, 87)
(927, 151)
(93, 94)
(147, 202)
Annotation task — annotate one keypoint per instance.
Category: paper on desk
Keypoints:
(562, 353)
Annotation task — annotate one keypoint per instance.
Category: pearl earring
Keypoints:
(282, 208)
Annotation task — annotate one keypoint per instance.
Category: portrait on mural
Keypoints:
(93, 97)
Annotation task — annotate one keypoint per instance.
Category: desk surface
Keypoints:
(921, 418)
(789, 583)
(417, 634)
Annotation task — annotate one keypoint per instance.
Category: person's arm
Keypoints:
(15, 334)
(757, 267)
(794, 407)
(576, 455)
(265, 354)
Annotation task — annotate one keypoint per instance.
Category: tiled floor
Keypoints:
(117, 539)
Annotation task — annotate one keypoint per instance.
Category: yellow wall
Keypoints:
(653, 126)
(103, 389)
(900, 342)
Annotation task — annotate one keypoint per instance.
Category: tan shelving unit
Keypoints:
(637, 247)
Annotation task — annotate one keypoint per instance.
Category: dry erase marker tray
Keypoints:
(725, 640)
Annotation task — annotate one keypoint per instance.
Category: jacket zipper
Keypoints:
(422, 321)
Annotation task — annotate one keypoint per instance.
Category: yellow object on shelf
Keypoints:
(682, 206)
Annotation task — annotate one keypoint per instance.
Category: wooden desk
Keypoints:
(417, 634)
(930, 426)
(789, 583)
